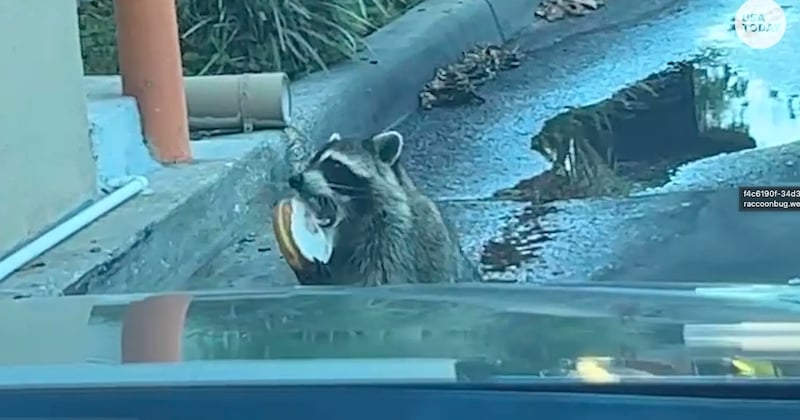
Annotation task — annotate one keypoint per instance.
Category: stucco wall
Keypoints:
(46, 166)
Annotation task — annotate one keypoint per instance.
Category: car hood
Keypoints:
(531, 329)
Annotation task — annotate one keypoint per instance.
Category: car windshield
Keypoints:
(564, 188)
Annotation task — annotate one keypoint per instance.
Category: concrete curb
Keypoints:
(157, 241)
(117, 141)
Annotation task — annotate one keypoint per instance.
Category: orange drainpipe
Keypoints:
(152, 72)
(153, 329)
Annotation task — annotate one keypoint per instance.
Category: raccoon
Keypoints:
(384, 230)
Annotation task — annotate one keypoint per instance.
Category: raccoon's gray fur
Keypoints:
(385, 231)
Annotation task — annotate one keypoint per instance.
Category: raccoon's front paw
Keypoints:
(316, 274)
(322, 271)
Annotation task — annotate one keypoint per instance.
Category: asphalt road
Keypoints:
(688, 230)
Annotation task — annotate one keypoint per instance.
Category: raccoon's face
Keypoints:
(347, 176)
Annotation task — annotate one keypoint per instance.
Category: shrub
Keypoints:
(240, 36)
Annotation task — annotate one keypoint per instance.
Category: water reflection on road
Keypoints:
(754, 104)
(684, 236)
(462, 156)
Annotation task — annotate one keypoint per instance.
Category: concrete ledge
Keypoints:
(157, 241)
(117, 143)
(187, 217)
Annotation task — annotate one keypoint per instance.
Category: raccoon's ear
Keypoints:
(388, 145)
(334, 137)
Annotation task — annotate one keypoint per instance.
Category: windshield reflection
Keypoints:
(628, 332)
(593, 190)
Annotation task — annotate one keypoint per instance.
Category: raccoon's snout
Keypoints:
(323, 206)
(327, 211)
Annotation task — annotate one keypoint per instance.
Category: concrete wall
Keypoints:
(46, 165)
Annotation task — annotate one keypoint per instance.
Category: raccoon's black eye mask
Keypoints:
(342, 179)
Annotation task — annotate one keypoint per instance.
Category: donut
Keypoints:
(300, 240)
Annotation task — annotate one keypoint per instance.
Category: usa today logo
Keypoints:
(760, 24)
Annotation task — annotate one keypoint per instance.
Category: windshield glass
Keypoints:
(566, 189)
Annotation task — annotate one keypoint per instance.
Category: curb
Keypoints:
(157, 242)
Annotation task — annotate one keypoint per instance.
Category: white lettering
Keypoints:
(760, 24)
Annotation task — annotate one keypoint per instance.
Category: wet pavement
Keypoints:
(471, 152)
(697, 236)
(686, 235)
(687, 230)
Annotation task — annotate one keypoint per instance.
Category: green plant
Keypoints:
(239, 36)
(98, 37)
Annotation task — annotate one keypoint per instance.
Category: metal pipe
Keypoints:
(69, 227)
(152, 72)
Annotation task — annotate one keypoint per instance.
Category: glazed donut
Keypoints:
(300, 240)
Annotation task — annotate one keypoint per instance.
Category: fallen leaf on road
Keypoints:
(552, 10)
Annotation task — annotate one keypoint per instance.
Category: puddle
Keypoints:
(636, 140)
(517, 244)
(748, 105)
(467, 153)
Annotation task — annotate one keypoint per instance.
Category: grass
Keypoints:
(245, 36)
